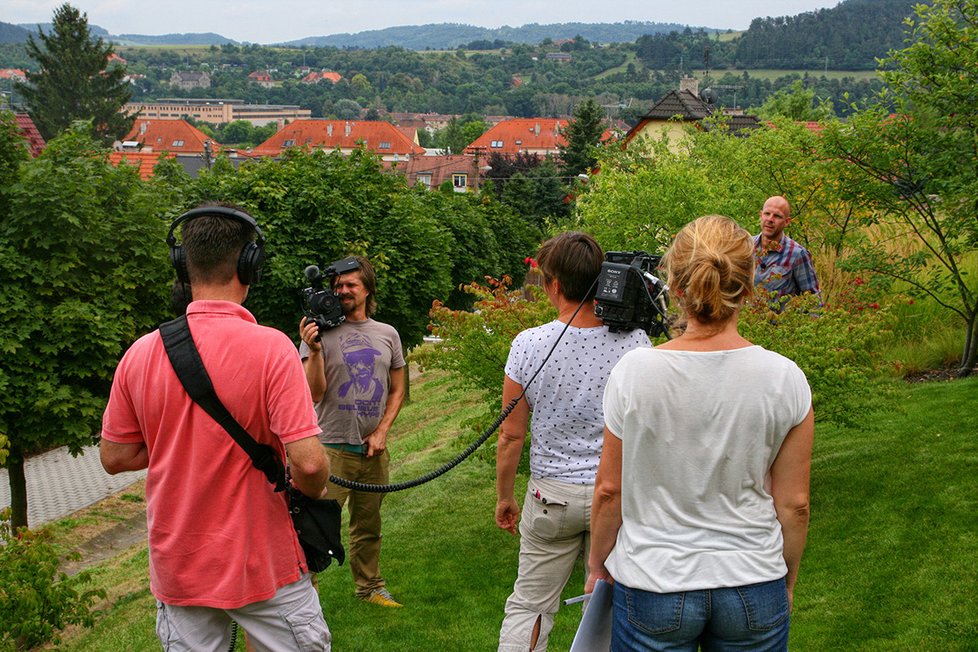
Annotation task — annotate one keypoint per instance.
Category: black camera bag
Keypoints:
(317, 522)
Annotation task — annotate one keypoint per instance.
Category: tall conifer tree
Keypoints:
(583, 134)
(76, 80)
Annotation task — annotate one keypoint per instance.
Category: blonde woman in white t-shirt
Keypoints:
(701, 502)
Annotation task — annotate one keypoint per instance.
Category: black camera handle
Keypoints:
(487, 433)
(657, 282)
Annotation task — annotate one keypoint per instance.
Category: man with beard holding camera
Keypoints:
(221, 542)
(566, 426)
(356, 376)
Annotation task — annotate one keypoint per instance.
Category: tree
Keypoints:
(460, 133)
(582, 134)
(918, 167)
(316, 207)
(530, 185)
(347, 110)
(488, 239)
(76, 80)
(796, 103)
(85, 272)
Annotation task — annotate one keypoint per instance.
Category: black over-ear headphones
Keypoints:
(252, 255)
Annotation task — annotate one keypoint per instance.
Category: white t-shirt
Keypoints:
(699, 432)
(567, 424)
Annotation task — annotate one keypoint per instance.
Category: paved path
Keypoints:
(59, 485)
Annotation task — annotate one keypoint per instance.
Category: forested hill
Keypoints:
(12, 33)
(848, 36)
(444, 36)
(208, 38)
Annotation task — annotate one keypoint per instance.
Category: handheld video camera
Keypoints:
(630, 295)
(321, 305)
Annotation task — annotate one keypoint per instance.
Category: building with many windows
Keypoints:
(218, 111)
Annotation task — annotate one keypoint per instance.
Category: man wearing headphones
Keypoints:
(221, 541)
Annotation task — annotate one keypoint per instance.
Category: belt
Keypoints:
(356, 449)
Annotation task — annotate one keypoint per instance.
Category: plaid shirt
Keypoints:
(785, 269)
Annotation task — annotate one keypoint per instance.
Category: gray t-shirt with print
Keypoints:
(358, 358)
(567, 423)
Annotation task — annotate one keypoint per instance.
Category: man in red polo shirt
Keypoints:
(221, 541)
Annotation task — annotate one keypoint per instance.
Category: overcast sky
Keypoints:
(271, 21)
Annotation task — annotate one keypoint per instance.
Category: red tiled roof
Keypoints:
(411, 133)
(170, 135)
(538, 135)
(314, 77)
(12, 73)
(35, 141)
(377, 136)
(534, 135)
(145, 160)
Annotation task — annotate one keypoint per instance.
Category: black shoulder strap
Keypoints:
(193, 375)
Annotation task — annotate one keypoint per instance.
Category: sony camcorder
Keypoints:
(630, 295)
(321, 304)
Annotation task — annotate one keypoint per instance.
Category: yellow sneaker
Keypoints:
(383, 598)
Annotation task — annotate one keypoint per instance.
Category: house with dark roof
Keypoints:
(381, 138)
(678, 109)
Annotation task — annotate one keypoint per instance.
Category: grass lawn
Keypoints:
(891, 564)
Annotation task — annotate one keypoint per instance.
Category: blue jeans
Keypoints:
(752, 617)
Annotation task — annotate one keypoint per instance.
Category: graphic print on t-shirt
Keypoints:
(363, 390)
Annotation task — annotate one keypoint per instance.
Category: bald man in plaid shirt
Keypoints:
(782, 265)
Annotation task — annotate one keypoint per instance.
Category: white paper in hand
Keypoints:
(594, 633)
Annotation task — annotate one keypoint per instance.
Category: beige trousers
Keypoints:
(554, 531)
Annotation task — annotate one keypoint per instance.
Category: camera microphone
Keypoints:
(312, 273)
(655, 281)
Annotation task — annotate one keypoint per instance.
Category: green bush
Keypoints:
(36, 600)
(835, 345)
